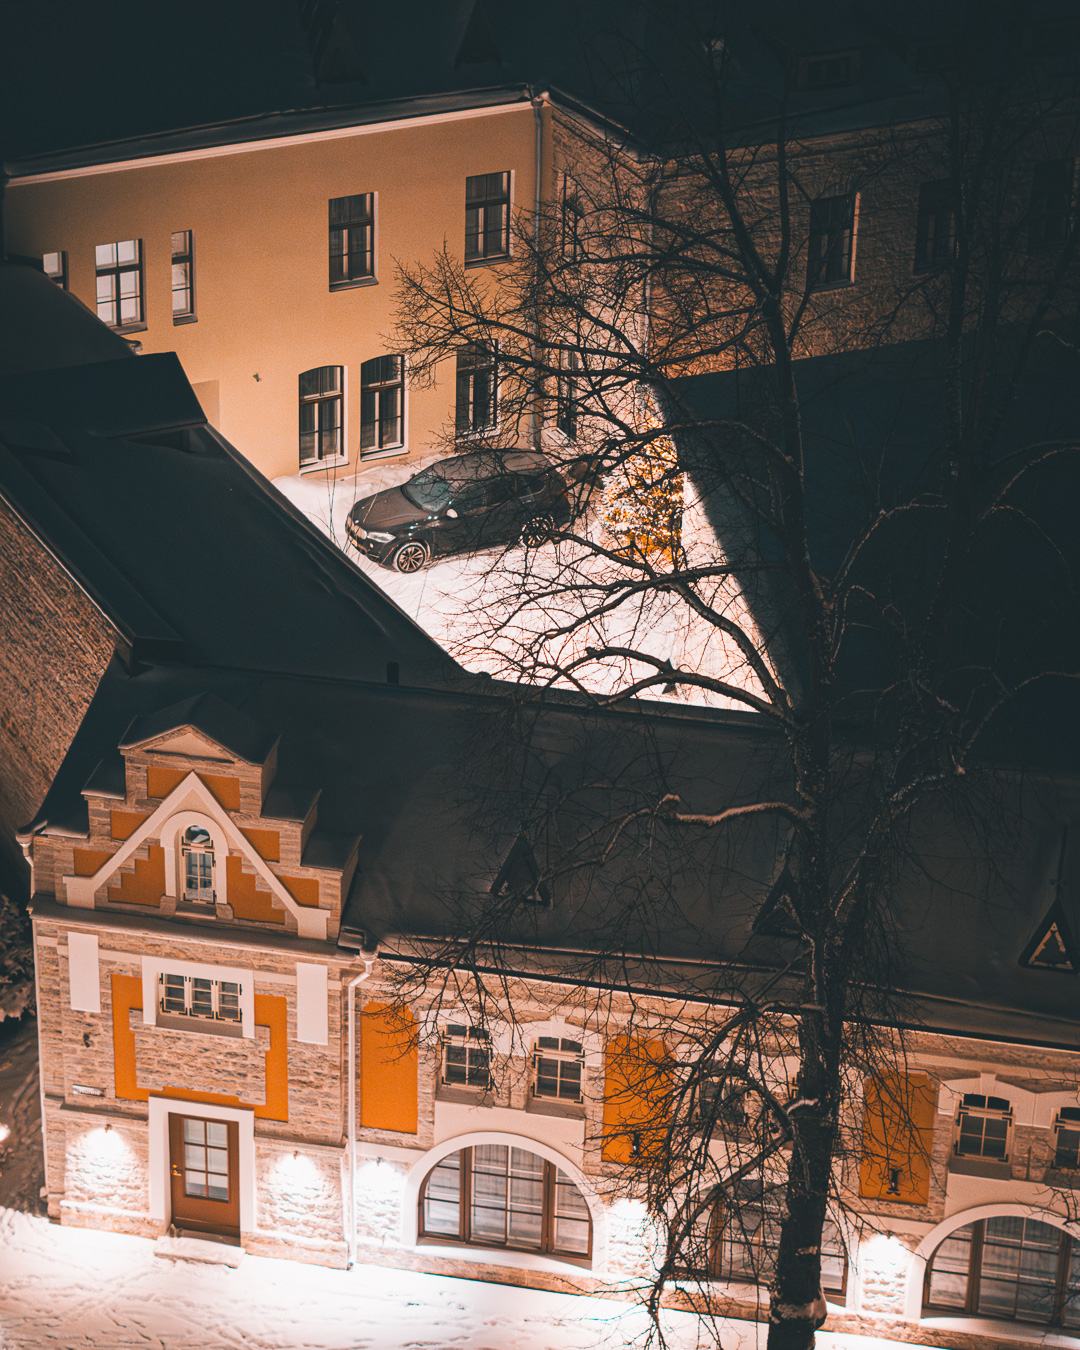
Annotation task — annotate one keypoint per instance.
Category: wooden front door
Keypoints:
(204, 1168)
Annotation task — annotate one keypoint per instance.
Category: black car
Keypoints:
(466, 502)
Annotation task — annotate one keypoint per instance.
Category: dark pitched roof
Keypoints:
(183, 545)
(215, 718)
(437, 785)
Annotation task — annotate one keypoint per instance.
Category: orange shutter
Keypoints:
(898, 1138)
(637, 1080)
(388, 1092)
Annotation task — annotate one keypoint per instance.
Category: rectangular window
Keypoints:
(54, 265)
(321, 415)
(183, 276)
(352, 239)
(832, 241)
(466, 1057)
(935, 227)
(206, 1159)
(836, 70)
(983, 1127)
(566, 395)
(1049, 211)
(477, 389)
(487, 217)
(382, 403)
(573, 226)
(120, 283)
(1067, 1138)
(557, 1064)
(194, 997)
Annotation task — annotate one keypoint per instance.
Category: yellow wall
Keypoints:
(261, 257)
(898, 1138)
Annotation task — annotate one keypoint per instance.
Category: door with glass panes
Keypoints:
(205, 1174)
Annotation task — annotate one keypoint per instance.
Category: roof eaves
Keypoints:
(265, 126)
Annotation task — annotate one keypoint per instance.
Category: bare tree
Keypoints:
(801, 495)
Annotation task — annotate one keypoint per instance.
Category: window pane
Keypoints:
(194, 1131)
(127, 251)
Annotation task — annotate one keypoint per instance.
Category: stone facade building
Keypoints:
(256, 832)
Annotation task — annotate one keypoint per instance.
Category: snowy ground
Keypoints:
(75, 1289)
(477, 608)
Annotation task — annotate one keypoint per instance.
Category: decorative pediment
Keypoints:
(190, 743)
(191, 798)
(204, 727)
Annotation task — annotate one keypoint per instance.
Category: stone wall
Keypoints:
(55, 648)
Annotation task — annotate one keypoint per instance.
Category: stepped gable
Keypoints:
(198, 829)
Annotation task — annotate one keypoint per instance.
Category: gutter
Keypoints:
(350, 1226)
(538, 101)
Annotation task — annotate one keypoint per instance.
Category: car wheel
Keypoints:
(537, 531)
(410, 556)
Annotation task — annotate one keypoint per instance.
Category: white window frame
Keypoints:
(160, 1109)
(330, 461)
(562, 1055)
(199, 1020)
(154, 967)
(466, 1037)
(116, 268)
(196, 848)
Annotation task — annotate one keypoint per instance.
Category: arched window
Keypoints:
(493, 1195)
(736, 1239)
(1006, 1267)
(197, 858)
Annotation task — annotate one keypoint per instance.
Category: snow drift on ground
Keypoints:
(478, 609)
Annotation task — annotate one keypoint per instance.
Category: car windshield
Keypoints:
(429, 490)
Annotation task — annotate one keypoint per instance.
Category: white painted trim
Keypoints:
(525, 1034)
(1038, 1109)
(193, 795)
(155, 966)
(158, 1131)
(267, 143)
(926, 1248)
(170, 842)
(84, 976)
(501, 1033)
(312, 1017)
(410, 1205)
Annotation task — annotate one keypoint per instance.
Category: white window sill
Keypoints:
(316, 465)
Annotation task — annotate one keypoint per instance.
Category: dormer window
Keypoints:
(831, 70)
(983, 1127)
(197, 858)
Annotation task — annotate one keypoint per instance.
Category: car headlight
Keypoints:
(379, 536)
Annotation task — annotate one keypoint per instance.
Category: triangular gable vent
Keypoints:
(519, 877)
(1052, 947)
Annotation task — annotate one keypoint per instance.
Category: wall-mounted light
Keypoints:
(108, 1126)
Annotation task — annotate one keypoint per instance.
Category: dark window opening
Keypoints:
(487, 217)
(321, 414)
(183, 275)
(382, 403)
(352, 238)
(477, 389)
(935, 228)
(837, 70)
(1049, 210)
(832, 239)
